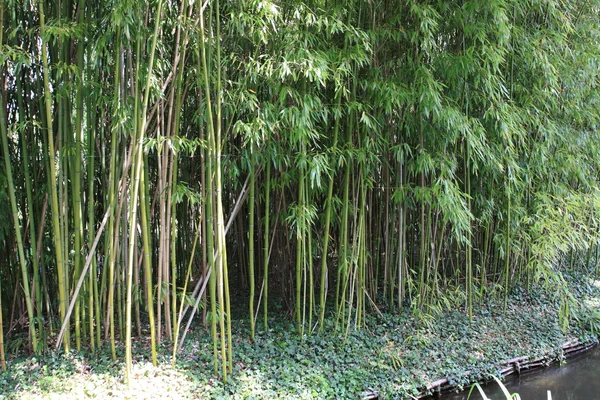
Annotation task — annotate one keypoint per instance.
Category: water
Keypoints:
(578, 379)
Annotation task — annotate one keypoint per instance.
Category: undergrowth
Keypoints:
(395, 356)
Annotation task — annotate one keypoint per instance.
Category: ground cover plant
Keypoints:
(397, 356)
(325, 162)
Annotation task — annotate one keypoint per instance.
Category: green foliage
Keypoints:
(396, 357)
(433, 154)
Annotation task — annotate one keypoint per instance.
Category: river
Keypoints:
(577, 379)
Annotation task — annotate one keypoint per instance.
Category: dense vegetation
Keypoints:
(324, 160)
(398, 356)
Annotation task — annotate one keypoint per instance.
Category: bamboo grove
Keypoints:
(164, 161)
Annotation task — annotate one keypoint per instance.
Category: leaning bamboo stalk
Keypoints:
(88, 262)
(201, 285)
(236, 209)
(178, 320)
(199, 290)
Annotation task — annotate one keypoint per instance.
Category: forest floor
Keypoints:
(397, 355)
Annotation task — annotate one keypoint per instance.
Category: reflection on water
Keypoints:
(578, 379)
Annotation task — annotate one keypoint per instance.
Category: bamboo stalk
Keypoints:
(251, 207)
(211, 235)
(265, 301)
(137, 168)
(16, 223)
(56, 219)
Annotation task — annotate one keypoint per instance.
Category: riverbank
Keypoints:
(514, 366)
(398, 355)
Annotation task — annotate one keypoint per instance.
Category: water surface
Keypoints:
(578, 379)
